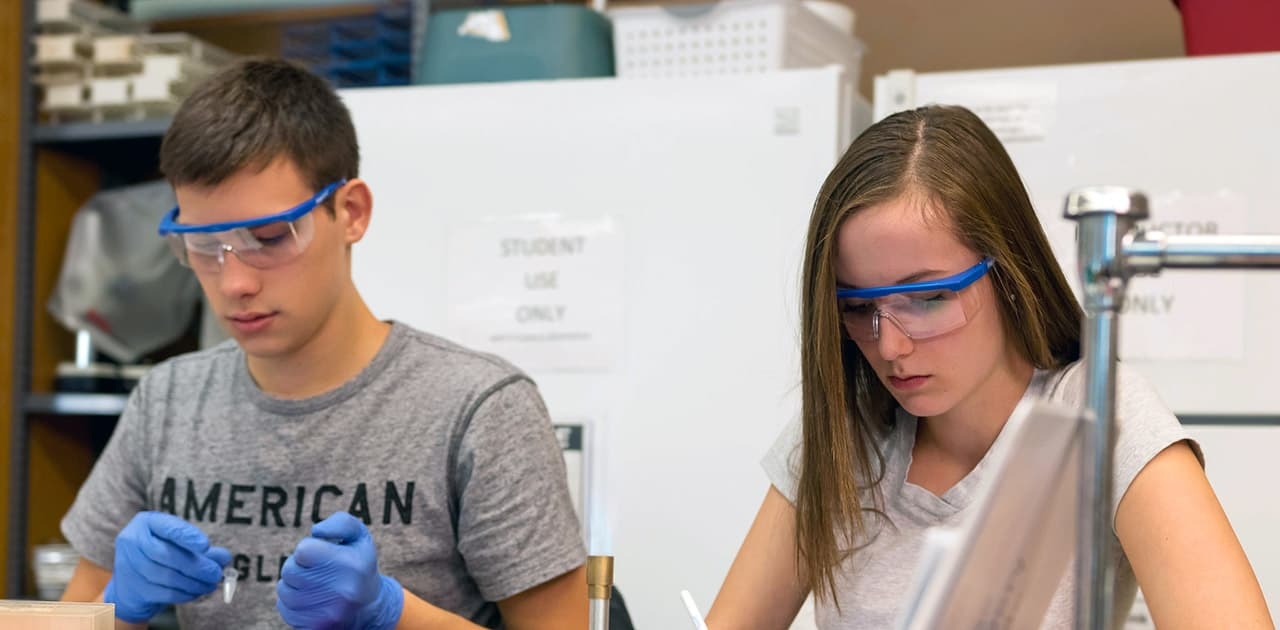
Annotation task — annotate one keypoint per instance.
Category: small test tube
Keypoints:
(229, 577)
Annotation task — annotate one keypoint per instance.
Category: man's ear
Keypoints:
(354, 206)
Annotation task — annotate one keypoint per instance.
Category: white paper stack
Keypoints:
(1002, 566)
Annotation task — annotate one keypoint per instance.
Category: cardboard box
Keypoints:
(33, 615)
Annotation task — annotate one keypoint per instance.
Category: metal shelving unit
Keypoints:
(127, 151)
(1230, 421)
(16, 540)
(80, 132)
(65, 404)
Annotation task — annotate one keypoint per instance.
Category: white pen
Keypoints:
(698, 622)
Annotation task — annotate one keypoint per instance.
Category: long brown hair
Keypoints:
(949, 157)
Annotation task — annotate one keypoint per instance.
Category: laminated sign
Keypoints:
(544, 292)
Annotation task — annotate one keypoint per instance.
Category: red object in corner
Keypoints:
(1215, 27)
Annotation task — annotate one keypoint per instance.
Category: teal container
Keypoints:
(550, 41)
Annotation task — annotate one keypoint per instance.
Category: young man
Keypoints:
(355, 473)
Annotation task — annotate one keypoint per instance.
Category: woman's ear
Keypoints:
(354, 206)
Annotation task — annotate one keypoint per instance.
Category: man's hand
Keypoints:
(161, 560)
(332, 580)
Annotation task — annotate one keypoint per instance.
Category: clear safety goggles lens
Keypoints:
(918, 315)
(262, 243)
(261, 247)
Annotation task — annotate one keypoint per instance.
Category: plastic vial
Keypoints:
(229, 577)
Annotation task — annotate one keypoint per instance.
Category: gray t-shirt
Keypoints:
(873, 581)
(448, 455)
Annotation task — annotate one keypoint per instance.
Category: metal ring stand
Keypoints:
(1112, 249)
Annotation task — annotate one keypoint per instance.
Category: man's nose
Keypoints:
(237, 279)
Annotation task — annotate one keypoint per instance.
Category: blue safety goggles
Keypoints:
(261, 242)
(919, 309)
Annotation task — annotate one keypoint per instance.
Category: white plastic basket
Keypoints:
(729, 37)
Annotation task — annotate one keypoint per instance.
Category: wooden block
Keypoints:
(146, 89)
(61, 49)
(108, 92)
(64, 95)
(33, 615)
(183, 44)
(162, 67)
(108, 49)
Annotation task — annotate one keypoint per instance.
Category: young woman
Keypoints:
(932, 304)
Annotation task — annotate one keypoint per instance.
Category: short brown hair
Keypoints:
(949, 157)
(253, 112)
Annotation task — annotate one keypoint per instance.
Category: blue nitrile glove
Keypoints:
(161, 560)
(332, 580)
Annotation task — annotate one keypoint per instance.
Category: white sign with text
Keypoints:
(542, 291)
(1180, 314)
